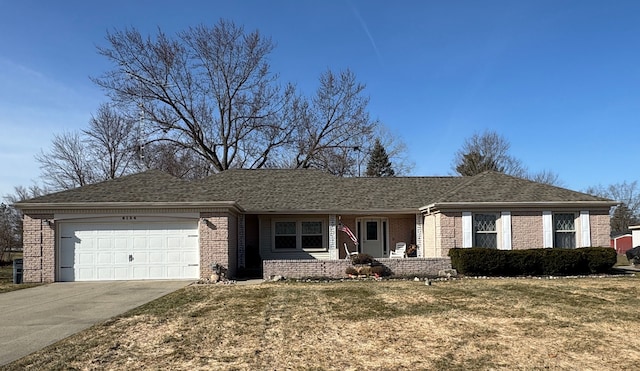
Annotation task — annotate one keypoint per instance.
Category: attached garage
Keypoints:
(131, 250)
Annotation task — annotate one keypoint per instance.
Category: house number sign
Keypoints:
(128, 218)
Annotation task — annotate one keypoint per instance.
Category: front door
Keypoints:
(373, 236)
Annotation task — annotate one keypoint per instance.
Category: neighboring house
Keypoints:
(635, 235)
(622, 243)
(154, 226)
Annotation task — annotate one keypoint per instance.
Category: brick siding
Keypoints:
(218, 242)
(337, 268)
(600, 228)
(526, 230)
(449, 232)
(38, 248)
(402, 229)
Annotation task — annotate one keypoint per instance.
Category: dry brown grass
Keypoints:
(509, 324)
(6, 280)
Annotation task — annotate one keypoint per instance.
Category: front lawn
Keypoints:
(6, 280)
(478, 324)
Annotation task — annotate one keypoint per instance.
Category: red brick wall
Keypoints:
(337, 268)
(600, 227)
(402, 229)
(450, 232)
(39, 264)
(218, 242)
(526, 230)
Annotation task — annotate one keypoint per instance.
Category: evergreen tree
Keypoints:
(379, 164)
(622, 218)
(474, 163)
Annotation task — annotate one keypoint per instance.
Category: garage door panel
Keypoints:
(85, 258)
(190, 256)
(101, 251)
(156, 272)
(120, 243)
(105, 273)
(85, 274)
(104, 258)
(120, 257)
(140, 258)
(191, 271)
(67, 274)
(174, 256)
(157, 257)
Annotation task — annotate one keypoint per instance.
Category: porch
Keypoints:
(336, 269)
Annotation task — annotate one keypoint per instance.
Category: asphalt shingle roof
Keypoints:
(312, 190)
(497, 187)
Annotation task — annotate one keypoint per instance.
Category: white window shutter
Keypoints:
(467, 229)
(506, 231)
(547, 229)
(585, 229)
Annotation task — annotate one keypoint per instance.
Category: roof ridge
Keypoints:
(465, 181)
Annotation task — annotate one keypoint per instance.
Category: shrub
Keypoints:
(351, 271)
(523, 262)
(361, 259)
(600, 259)
(380, 270)
(364, 271)
(490, 262)
(478, 261)
(562, 262)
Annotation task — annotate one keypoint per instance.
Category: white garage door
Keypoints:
(128, 251)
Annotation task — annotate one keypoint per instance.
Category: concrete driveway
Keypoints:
(33, 318)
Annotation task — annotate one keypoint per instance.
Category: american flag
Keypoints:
(345, 229)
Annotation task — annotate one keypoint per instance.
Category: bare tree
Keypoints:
(209, 89)
(67, 163)
(546, 177)
(175, 160)
(21, 193)
(334, 123)
(628, 194)
(11, 219)
(10, 231)
(111, 140)
(105, 150)
(622, 218)
(490, 151)
(486, 151)
(396, 150)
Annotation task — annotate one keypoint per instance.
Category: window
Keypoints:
(372, 231)
(564, 226)
(311, 235)
(485, 233)
(295, 235)
(285, 235)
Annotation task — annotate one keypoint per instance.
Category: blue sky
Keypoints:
(560, 79)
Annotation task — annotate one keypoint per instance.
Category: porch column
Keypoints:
(241, 242)
(333, 237)
(419, 238)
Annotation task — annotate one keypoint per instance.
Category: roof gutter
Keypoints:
(515, 205)
(25, 206)
(333, 211)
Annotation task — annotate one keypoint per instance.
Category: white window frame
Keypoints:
(585, 229)
(299, 234)
(574, 231)
(503, 228)
(494, 232)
